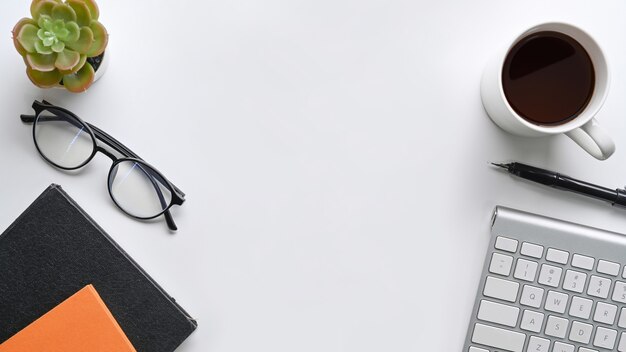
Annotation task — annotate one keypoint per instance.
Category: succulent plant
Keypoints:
(56, 42)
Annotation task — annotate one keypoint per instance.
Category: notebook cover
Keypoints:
(54, 249)
(81, 323)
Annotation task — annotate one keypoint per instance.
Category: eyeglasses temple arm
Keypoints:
(27, 118)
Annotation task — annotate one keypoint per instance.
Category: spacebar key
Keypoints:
(498, 338)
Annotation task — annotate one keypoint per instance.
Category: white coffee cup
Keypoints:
(582, 129)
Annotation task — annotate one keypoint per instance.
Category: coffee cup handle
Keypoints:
(592, 138)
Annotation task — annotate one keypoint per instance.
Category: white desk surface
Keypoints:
(334, 154)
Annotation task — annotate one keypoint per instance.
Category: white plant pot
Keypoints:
(103, 66)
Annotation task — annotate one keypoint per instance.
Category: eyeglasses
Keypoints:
(69, 143)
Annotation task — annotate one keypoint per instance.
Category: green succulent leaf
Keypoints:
(84, 42)
(101, 38)
(45, 22)
(79, 82)
(44, 79)
(58, 47)
(45, 36)
(67, 59)
(41, 62)
(62, 33)
(41, 48)
(83, 59)
(34, 4)
(57, 26)
(42, 7)
(49, 41)
(73, 32)
(83, 15)
(27, 37)
(63, 12)
(16, 30)
(93, 8)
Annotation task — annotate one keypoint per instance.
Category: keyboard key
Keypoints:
(605, 313)
(532, 321)
(501, 289)
(605, 338)
(556, 327)
(506, 244)
(498, 338)
(585, 349)
(619, 292)
(580, 332)
(609, 268)
(562, 347)
(550, 275)
(583, 262)
(599, 287)
(501, 264)
(622, 319)
(574, 281)
(525, 270)
(498, 313)
(538, 344)
(531, 296)
(476, 349)
(532, 250)
(557, 256)
(556, 302)
(622, 343)
(580, 308)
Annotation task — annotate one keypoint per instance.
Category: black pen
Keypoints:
(565, 183)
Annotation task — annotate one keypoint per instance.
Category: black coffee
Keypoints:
(548, 78)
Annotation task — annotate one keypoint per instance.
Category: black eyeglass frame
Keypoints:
(178, 197)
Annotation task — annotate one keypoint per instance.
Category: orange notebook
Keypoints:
(79, 324)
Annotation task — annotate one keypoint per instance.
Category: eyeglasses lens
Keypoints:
(139, 189)
(62, 139)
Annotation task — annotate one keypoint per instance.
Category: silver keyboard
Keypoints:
(549, 286)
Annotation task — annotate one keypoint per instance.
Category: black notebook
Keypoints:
(54, 249)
